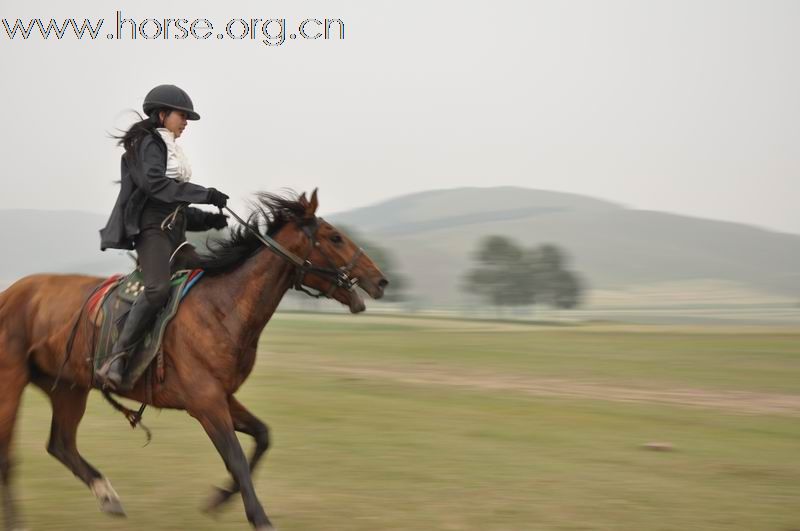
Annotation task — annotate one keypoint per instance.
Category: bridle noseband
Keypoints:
(338, 276)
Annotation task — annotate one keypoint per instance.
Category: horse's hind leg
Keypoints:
(69, 406)
(243, 422)
(13, 379)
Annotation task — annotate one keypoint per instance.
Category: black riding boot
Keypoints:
(140, 317)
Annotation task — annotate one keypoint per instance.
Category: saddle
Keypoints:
(108, 310)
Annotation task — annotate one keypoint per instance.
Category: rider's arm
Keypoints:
(149, 175)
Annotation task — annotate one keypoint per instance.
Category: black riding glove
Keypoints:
(216, 221)
(217, 198)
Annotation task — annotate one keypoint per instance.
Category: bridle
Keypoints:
(339, 277)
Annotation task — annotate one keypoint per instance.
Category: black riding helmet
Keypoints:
(171, 97)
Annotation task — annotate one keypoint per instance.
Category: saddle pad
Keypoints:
(113, 313)
(99, 294)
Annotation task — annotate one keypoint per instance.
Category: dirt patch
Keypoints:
(732, 401)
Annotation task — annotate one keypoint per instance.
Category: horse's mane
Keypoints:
(269, 213)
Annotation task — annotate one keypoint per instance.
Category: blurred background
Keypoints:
(588, 214)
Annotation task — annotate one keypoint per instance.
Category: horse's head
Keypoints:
(335, 265)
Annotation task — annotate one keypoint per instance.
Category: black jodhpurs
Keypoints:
(154, 245)
(153, 248)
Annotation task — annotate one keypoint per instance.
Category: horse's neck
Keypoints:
(254, 290)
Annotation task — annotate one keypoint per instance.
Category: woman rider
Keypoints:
(152, 214)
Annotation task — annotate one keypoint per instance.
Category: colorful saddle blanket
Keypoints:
(110, 306)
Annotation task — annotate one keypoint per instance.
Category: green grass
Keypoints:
(358, 453)
(717, 358)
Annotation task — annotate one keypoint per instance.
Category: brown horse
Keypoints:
(209, 348)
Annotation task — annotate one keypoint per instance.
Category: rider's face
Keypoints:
(175, 121)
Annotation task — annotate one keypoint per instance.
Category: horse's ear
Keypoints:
(311, 211)
(302, 200)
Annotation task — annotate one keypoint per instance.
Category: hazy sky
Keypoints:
(682, 106)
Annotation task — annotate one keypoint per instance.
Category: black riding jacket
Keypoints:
(144, 187)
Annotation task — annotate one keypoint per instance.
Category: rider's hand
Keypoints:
(217, 198)
(216, 221)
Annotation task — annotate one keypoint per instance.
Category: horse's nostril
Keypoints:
(382, 283)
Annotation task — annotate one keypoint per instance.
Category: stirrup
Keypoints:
(101, 374)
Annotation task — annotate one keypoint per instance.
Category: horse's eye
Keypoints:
(336, 238)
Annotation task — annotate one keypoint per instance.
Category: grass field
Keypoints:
(390, 423)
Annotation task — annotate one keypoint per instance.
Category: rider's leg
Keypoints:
(153, 247)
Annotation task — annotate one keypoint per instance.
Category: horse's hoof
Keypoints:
(112, 507)
(216, 500)
(107, 497)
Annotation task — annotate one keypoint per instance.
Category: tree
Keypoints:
(502, 277)
(508, 275)
(567, 290)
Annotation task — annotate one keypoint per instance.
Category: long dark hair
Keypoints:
(145, 126)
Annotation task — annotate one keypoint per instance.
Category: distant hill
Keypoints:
(56, 241)
(433, 234)
(63, 241)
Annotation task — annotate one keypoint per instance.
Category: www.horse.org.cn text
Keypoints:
(269, 31)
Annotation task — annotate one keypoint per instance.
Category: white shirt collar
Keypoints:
(167, 135)
(177, 163)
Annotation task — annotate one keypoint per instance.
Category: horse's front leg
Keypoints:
(243, 422)
(214, 415)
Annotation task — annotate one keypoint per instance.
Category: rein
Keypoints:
(339, 276)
